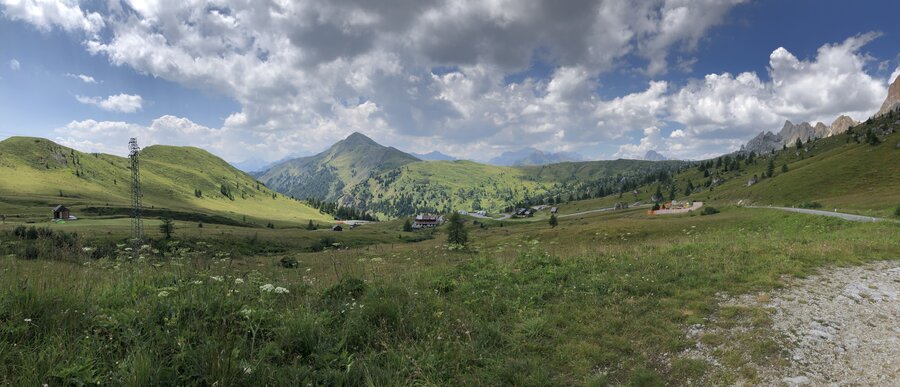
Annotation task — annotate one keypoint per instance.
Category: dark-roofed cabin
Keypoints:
(60, 212)
(337, 227)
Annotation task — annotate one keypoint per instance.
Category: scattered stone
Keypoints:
(796, 381)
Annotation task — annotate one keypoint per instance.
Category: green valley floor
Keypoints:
(606, 298)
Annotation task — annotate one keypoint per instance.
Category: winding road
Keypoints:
(850, 217)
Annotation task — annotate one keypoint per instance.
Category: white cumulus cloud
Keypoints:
(83, 78)
(47, 14)
(14, 65)
(120, 103)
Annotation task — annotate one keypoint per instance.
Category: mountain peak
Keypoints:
(358, 138)
(653, 155)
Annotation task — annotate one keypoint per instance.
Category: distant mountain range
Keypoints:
(433, 156)
(361, 173)
(532, 156)
(256, 165)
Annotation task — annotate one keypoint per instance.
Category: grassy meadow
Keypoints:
(37, 174)
(601, 299)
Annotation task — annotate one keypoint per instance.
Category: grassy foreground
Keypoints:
(601, 299)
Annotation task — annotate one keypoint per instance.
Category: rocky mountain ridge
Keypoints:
(790, 132)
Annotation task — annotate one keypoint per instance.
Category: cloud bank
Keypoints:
(433, 74)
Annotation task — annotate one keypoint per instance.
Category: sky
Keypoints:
(258, 81)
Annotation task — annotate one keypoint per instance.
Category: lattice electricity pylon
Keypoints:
(137, 222)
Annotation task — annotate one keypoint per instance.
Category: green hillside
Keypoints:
(444, 186)
(836, 172)
(36, 173)
(330, 174)
(361, 173)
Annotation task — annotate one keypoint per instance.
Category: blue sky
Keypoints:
(687, 78)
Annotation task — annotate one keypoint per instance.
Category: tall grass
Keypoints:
(599, 308)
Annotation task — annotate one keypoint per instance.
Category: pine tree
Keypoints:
(784, 168)
(689, 188)
(770, 169)
(799, 144)
(456, 233)
(407, 225)
(310, 226)
(167, 228)
(553, 220)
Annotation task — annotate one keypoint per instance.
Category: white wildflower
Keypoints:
(197, 282)
(238, 281)
(246, 312)
(268, 288)
(217, 278)
(87, 249)
(281, 290)
(163, 294)
(27, 320)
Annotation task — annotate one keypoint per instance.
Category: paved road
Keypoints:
(850, 217)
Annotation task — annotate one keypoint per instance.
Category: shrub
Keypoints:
(810, 205)
(709, 211)
(897, 212)
(29, 251)
(655, 207)
(288, 263)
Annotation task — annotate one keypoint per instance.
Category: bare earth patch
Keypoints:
(840, 327)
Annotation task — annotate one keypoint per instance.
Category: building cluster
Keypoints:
(427, 221)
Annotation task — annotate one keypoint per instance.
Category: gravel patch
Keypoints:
(839, 327)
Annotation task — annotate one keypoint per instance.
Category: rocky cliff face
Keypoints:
(765, 142)
(840, 125)
(892, 102)
(790, 132)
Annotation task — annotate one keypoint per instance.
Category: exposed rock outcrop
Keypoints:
(840, 125)
(765, 142)
(790, 132)
(892, 102)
